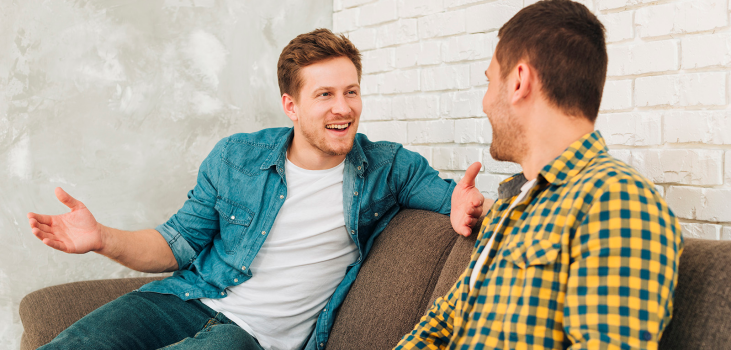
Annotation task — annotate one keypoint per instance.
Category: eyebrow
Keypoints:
(332, 88)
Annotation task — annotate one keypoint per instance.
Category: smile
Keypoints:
(337, 126)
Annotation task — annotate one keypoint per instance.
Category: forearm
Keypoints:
(143, 250)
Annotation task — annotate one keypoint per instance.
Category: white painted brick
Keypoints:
(699, 51)
(617, 95)
(615, 4)
(477, 73)
(681, 17)
(455, 158)
(726, 233)
(716, 205)
(469, 47)
(370, 83)
(704, 231)
(416, 107)
(619, 26)
(456, 3)
(492, 15)
(400, 32)
(354, 3)
(473, 131)
(346, 20)
(727, 165)
(707, 127)
(445, 78)
(400, 81)
(684, 200)
(624, 155)
(438, 131)
(680, 166)
(337, 5)
(630, 129)
(376, 108)
(456, 176)
(462, 104)
(701, 89)
(363, 38)
(422, 53)
(378, 12)
(706, 204)
(425, 151)
(649, 57)
(497, 167)
(442, 24)
(380, 60)
(416, 8)
(660, 190)
(394, 131)
(489, 183)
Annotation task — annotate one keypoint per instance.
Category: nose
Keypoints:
(341, 106)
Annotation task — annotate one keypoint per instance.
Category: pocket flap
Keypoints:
(233, 212)
(537, 252)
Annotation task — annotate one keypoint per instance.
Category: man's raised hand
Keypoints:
(75, 232)
(467, 202)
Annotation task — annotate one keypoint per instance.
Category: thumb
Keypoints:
(469, 176)
(67, 200)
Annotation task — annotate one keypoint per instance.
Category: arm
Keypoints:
(623, 271)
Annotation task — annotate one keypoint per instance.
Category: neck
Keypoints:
(306, 156)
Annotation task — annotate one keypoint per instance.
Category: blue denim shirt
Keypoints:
(241, 187)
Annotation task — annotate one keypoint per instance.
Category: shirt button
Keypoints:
(356, 193)
(222, 293)
(324, 310)
(236, 280)
(233, 217)
(187, 294)
(358, 168)
(647, 336)
(352, 232)
(263, 232)
(243, 267)
(322, 345)
(376, 214)
(281, 196)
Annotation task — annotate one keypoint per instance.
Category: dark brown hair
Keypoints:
(310, 48)
(565, 44)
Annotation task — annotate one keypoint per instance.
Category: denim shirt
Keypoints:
(241, 186)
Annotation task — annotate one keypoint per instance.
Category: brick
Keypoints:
(394, 131)
(380, 60)
(438, 131)
(456, 176)
(615, 4)
(378, 12)
(701, 89)
(617, 95)
(445, 78)
(442, 24)
(400, 81)
(416, 107)
(370, 83)
(469, 47)
(416, 8)
(492, 15)
(354, 3)
(660, 190)
(346, 20)
(455, 158)
(424, 151)
(395, 33)
(630, 129)
(624, 155)
(457, 3)
(707, 127)
(376, 108)
(680, 166)
(473, 131)
(422, 53)
(619, 26)
(700, 51)
(684, 201)
(681, 17)
(363, 38)
(726, 233)
(649, 57)
(498, 167)
(706, 204)
(337, 5)
(488, 184)
(704, 231)
(727, 165)
(462, 104)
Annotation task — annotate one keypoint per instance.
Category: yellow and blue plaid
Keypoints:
(587, 260)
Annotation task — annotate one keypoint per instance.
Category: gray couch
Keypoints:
(417, 258)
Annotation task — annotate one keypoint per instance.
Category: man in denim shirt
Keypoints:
(273, 234)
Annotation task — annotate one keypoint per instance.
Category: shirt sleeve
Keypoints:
(197, 222)
(623, 270)
(417, 185)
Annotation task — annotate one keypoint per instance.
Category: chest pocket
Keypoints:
(234, 220)
(535, 253)
(377, 210)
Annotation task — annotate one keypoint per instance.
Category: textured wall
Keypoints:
(666, 107)
(118, 102)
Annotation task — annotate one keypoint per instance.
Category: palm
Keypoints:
(467, 202)
(74, 232)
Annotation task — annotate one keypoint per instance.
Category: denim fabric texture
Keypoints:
(241, 186)
(143, 321)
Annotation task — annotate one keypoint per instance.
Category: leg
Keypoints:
(217, 335)
(137, 320)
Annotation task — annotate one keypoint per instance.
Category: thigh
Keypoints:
(217, 336)
(137, 320)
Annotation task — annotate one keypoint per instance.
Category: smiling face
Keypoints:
(508, 135)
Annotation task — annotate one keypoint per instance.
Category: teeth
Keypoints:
(337, 126)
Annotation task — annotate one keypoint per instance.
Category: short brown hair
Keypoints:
(310, 48)
(565, 43)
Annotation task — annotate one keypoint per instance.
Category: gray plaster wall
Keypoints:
(118, 102)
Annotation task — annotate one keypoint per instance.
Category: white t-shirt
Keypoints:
(302, 261)
(486, 252)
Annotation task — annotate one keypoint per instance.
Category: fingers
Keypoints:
(67, 200)
(44, 219)
(43, 227)
(469, 175)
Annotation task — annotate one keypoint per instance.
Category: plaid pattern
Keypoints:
(587, 260)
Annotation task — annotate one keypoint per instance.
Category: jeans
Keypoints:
(145, 320)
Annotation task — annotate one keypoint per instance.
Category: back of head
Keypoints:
(309, 48)
(565, 44)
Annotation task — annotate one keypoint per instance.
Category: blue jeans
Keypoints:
(145, 320)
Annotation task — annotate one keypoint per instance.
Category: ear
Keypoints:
(289, 107)
(523, 83)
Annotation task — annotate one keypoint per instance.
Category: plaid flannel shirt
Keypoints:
(587, 260)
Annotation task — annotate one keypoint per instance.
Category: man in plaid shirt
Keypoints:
(579, 251)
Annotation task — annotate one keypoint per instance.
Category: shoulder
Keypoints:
(605, 170)
(247, 151)
(379, 151)
(264, 139)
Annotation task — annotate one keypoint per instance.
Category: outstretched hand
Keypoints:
(75, 232)
(467, 202)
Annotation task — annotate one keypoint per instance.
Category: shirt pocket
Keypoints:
(377, 210)
(535, 253)
(234, 219)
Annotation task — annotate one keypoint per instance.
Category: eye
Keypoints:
(325, 94)
(352, 92)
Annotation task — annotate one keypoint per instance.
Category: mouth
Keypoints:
(338, 127)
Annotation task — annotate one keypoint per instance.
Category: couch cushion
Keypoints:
(702, 307)
(395, 282)
(455, 265)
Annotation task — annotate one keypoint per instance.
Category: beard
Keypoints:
(319, 141)
(508, 136)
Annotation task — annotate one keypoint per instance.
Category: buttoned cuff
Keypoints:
(183, 252)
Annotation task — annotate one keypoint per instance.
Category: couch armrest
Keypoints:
(48, 311)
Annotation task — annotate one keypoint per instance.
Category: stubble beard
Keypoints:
(319, 142)
(508, 136)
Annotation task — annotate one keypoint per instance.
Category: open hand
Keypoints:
(467, 202)
(75, 232)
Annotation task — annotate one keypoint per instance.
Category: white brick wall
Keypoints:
(666, 108)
